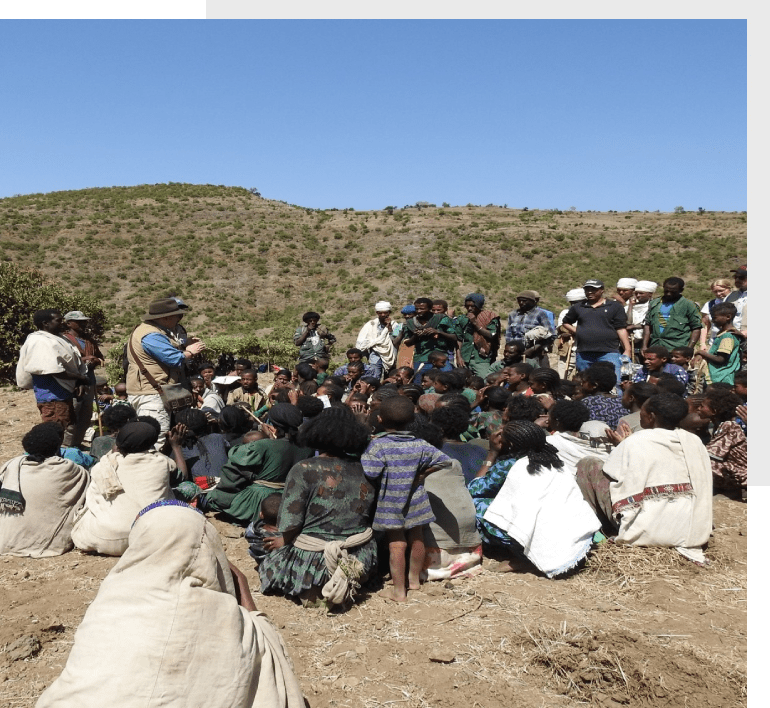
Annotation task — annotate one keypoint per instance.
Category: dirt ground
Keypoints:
(635, 627)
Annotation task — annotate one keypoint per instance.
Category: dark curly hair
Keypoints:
(723, 403)
(497, 397)
(428, 432)
(412, 392)
(452, 420)
(335, 431)
(234, 420)
(668, 383)
(305, 372)
(310, 406)
(603, 377)
(43, 441)
(569, 415)
(196, 422)
(115, 417)
(549, 378)
(524, 408)
(669, 409)
(525, 439)
(310, 316)
(455, 399)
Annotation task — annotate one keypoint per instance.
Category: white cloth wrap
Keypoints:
(547, 514)
(121, 486)
(656, 458)
(54, 491)
(342, 583)
(44, 354)
(166, 630)
(377, 340)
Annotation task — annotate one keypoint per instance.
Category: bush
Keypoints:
(22, 293)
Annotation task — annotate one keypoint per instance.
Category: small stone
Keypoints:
(352, 681)
(328, 661)
(25, 574)
(360, 649)
(379, 625)
(23, 648)
(441, 656)
(339, 683)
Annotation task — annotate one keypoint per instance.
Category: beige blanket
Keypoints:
(120, 488)
(165, 629)
(454, 529)
(45, 353)
(662, 490)
(378, 341)
(53, 490)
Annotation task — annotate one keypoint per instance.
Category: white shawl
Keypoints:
(572, 450)
(165, 629)
(662, 490)
(54, 490)
(379, 341)
(120, 488)
(546, 513)
(44, 353)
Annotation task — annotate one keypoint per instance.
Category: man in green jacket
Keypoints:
(672, 320)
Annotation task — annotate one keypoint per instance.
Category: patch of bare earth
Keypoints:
(635, 627)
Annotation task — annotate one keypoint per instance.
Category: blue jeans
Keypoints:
(376, 362)
(584, 359)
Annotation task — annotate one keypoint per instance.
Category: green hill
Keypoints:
(246, 264)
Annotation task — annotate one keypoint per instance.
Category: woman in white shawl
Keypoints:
(123, 482)
(656, 487)
(174, 625)
(40, 493)
(538, 513)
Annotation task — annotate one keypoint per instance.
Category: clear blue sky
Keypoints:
(595, 114)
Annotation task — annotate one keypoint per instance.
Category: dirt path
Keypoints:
(637, 627)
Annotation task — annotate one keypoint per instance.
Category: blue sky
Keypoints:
(627, 114)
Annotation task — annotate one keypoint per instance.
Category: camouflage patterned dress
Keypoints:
(325, 497)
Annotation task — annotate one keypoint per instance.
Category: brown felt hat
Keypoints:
(163, 308)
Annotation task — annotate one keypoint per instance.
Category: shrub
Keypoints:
(22, 292)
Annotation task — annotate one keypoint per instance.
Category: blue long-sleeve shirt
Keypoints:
(158, 347)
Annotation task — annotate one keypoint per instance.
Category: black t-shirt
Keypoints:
(597, 327)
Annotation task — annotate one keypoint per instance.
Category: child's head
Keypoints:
(598, 379)
(452, 420)
(334, 392)
(242, 365)
(446, 382)
(668, 383)
(439, 307)
(665, 410)
(103, 389)
(475, 383)
(656, 357)
(719, 405)
(544, 381)
(249, 380)
(739, 386)
(354, 354)
(437, 359)
(366, 385)
(115, 417)
(723, 314)
(311, 317)
(396, 412)
(120, 391)
(282, 378)
(523, 408)
(305, 372)
(206, 372)
(320, 363)
(309, 406)
(404, 374)
(197, 385)
(268, 510)
(429, 378)
(137, 436)
(636, 394)
(518, 373)
(567, 416)
(308, 388)
(412, 392)
(43, 440)
(681, 356)
(496, 398)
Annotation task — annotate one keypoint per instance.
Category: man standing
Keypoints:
(526, 319)
(155, 349)
(478, 333)
(599, 326)
(672, 320)
(52, 367)
(428, 332)
(376, 340)
(77, 335)
(641, 304)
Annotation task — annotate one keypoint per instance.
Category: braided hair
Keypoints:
(525, 439)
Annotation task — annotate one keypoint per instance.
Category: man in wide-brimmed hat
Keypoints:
(162, 353)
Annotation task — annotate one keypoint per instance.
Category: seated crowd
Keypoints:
(421, 454)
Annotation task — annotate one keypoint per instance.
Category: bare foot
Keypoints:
(506, 566)
(389, 594)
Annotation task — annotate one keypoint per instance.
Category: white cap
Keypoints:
(576, 295)
(382, 306)
(646, 286)
(629, 283)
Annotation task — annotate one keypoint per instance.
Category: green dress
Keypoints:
(238, 493)
(325, 497)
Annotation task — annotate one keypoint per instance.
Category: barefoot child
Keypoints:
(398, 462)
(264, 527)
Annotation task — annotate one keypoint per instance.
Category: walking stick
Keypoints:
(99, 420)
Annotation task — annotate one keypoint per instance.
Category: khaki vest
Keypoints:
(136, 383)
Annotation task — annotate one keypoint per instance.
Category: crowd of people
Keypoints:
(444, 438)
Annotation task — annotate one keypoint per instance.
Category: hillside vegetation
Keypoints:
(247, 264)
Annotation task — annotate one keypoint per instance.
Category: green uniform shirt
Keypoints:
(684, 318)
(425, 345)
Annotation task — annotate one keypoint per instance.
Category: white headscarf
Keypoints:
(576, 295)
(628, 283)
(382, 306)
(646, 286)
